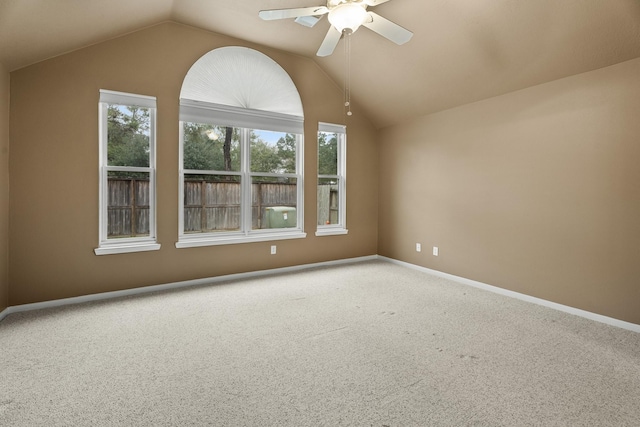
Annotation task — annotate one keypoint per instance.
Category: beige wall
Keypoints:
(54, 169)
(536, 191)
(4, 187)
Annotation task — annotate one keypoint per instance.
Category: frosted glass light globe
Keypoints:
(347, 16)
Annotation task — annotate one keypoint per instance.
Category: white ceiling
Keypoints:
(462, 50)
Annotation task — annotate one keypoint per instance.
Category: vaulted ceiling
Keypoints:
(462, 50)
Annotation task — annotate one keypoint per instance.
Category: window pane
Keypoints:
(127, 135)
(273, 152)
(273, 202)
(327, 153)
(128, 204)
(211, 203)
(328, 201)
(211, 148)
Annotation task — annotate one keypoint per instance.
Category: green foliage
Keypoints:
(286, 147)
(327, 153)
(204, 147)
(264, 157)
(127, 136)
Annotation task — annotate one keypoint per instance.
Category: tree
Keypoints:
(127, 136)
(287, 152)
(204, 150)
(264, 157)
(226, 148)
(217, 148)
(327, 153)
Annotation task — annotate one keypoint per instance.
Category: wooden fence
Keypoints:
(327, 204)
(215, 206)
(128, 208)
(208, 206)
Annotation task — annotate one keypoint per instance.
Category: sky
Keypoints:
(269, 137)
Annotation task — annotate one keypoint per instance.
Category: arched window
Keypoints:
(241, 126)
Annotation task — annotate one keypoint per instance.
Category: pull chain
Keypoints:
(347, 79)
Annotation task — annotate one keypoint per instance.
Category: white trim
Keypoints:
(245, 234)
(341, 177)
(328, 231)
(102, 172)
(123, 98)
(227, 115)
(523, 297)
(107, 246)
(245, 183)
(153, 186)
(238, 276)
(331, 128)
(198, 240)
(181, 173)
(176, 285)
(300, 181)
(123, 248)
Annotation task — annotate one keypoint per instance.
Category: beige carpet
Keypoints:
(365, 344)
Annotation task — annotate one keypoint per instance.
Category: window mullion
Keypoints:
(152, 174)
(103, 193)
(342, 164)
(181, 173)
(128, 169)
(209, 172)
(246, 209)
(300, 181)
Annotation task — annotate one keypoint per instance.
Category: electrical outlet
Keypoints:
(273, 249)
(435, 251)
(418, 247)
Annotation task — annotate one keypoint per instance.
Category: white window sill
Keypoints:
(198, 240)
(331, 231)
(126, 247)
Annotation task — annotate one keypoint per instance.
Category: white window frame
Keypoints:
(246, 120)
(127, 244)
(341, 226)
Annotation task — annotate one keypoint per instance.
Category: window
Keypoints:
(331, 188)
(239, 184)
(241, 151)
(127, 173)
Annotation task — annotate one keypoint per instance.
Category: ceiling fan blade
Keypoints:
(269, 15)
(374, 2)
(330, 42)
(388, 29)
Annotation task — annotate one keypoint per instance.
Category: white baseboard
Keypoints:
(560, 307)
(198, 282)
(176, 285)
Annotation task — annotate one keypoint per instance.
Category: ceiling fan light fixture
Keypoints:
(347, 16)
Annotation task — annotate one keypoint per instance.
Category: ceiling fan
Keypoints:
(345, 16)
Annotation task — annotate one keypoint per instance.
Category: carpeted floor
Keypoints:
(364, 344)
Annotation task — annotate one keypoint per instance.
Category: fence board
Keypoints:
(327, 204)
(128, 207)
(208, 206)
(215, 206)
